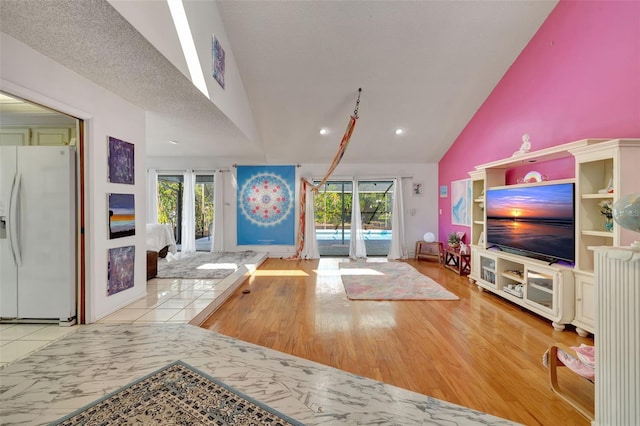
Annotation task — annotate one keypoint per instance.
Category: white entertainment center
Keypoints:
(564, 294)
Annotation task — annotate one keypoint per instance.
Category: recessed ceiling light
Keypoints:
(399, 131)
(174, 142)
(324, 131)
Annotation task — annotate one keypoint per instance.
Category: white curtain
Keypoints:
(310, 247)
(152, 196)
(217, 239)
(189, 213)
(357, 249)
(398, 249)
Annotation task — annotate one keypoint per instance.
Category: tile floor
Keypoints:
(168, 300)
(175, 301)
(19, 340)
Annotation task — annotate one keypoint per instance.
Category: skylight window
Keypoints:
(188, 45)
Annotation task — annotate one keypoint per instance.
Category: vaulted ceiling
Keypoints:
(423, 66)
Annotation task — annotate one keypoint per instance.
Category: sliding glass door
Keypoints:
(332, 209)
(170, 203)
(376, 202)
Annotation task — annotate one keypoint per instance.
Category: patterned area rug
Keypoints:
(389, 281)
(177, 394)
(202, 265)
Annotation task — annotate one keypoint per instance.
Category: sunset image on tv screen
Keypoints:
(537, 220)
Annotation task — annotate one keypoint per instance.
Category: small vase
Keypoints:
(608, 225)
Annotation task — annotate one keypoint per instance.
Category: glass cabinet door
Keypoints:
(488, 269)
(540, 289)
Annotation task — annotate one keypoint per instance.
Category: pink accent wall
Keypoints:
(578, 78)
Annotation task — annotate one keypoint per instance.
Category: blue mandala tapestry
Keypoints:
(266, 209)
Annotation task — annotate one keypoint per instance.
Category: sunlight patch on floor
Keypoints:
(212, 266)
(279, 273)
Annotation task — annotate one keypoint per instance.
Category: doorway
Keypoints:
(27, 124)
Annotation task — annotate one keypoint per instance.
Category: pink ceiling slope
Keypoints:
(579, 77)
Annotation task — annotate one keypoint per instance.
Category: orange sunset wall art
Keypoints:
(122, 216)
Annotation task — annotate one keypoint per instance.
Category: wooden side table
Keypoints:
(152, 264)
(430, 251)
(459, 263)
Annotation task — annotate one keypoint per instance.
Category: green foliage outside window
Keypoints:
(204, 209)
(375, 207)
(170, 197)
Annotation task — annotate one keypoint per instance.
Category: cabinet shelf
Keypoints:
(597, 196)
(597, 233)
(513, 276)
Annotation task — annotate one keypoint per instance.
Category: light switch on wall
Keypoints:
(412, 212)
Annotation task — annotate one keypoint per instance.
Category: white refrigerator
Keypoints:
(38, 233)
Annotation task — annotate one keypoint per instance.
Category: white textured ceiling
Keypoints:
(425, 66)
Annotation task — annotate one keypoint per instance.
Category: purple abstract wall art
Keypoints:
(218, 61)
(121, 269)
(121, 162)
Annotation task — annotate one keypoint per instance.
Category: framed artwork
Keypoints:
(443, 191)
(121, 165)
(218, 61)
(418, 189)
(121, 267)
(461, 202)
(266, 209)
(122, 215)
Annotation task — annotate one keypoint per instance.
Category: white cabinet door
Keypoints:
(585, 320)
(51, 136)
(13, 137)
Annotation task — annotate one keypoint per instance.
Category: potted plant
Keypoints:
(454, 240)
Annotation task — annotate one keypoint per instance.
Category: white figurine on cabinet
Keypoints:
(608, 189)
(464, 249)
(525, 147)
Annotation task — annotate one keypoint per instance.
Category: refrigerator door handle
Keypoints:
(10, 229)
(14, 236)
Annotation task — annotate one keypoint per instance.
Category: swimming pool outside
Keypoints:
(337, 234)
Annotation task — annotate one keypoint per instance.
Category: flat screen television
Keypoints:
(536, 221)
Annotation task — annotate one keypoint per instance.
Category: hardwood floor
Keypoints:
(481, 352)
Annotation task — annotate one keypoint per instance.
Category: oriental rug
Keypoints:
(202, 265)
(389, 281)
(177, 394)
